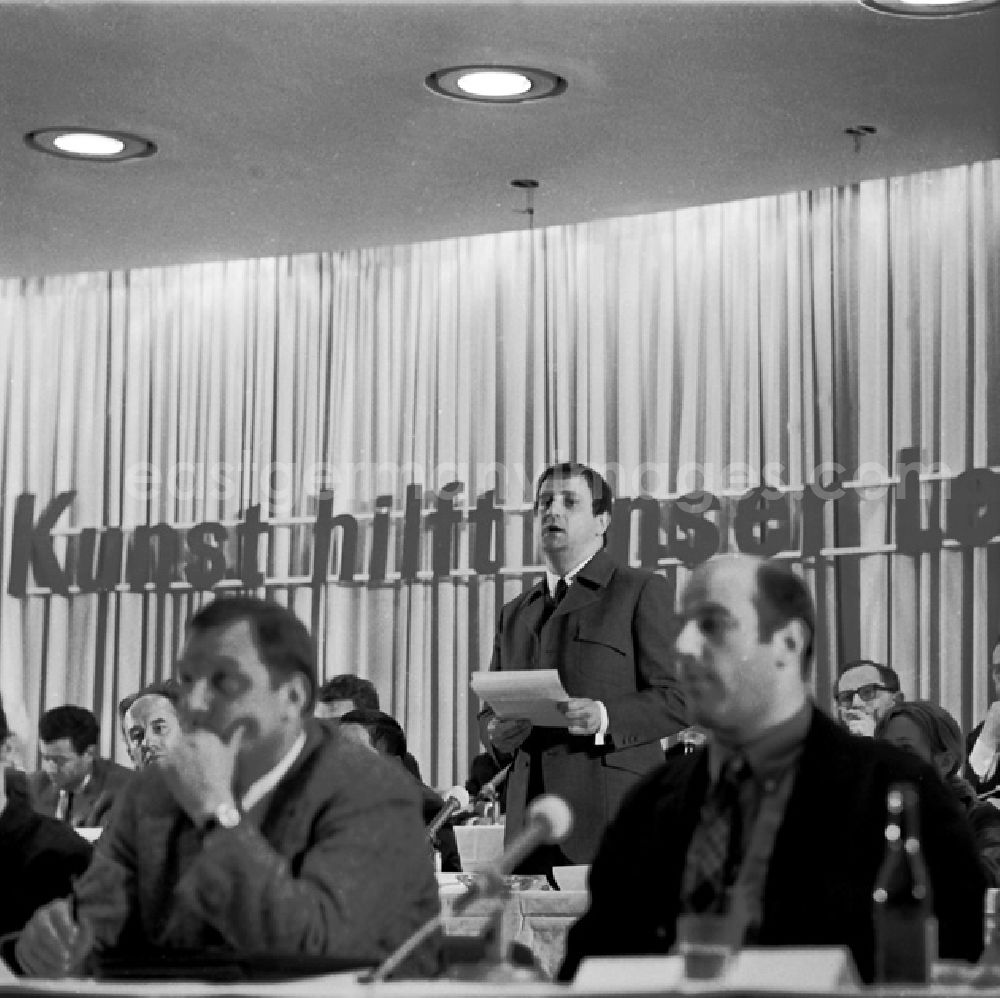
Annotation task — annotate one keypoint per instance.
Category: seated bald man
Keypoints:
(261, 831)
(803, 800)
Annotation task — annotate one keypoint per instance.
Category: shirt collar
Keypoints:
(262, 786)
(770, 753)
(551, 579)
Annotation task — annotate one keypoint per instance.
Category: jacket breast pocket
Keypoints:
(600, 662)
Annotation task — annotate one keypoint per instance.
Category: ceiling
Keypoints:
(290, 127)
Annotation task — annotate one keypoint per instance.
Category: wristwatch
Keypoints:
(224, 816)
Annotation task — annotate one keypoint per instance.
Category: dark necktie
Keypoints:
(715, 853)
(551, 602)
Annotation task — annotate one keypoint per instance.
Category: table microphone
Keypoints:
(490, 790)
(457, 799)
(549, 821)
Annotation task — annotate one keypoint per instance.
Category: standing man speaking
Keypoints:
(606, 629)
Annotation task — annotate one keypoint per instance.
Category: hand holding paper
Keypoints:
(535, 695)
(583, 716)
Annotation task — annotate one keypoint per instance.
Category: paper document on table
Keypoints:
(531, 693)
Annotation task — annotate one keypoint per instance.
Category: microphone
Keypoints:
(489, 790)
(549, 821)
(457, 799)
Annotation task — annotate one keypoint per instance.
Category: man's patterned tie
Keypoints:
(715, 853)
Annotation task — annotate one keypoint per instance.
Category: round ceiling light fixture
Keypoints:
(495, 84)
(929, 8)
(94, 145)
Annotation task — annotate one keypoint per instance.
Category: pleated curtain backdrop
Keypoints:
(835, 326)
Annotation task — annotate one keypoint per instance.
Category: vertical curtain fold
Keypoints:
(682, 350)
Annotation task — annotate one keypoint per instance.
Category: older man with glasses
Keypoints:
(866, 692)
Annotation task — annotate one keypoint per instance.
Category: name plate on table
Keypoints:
(812, 970)
(787, 968)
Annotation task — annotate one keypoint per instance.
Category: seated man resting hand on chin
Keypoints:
(260, 831)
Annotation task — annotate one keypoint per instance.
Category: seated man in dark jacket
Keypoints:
(39, 856)
(261, 831)
(799, 803)
(74, 783)
(381, 732)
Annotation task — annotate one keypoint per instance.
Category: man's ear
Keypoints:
(945, 762)
(897, 698)
(90, 752)
(604, 519)
(793, 637)
(297, 690)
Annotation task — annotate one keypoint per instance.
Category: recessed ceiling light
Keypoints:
(929, 8)
(89, 144)
(495, 84)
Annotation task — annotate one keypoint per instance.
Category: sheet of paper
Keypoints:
(530, 693)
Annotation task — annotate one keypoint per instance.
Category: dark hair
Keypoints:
(361, 692)
(781, 596)
(938, 726)
(600, 491)
(4, 727)
(75, 723)
(889, 676)
(384, 732)
(281, 638)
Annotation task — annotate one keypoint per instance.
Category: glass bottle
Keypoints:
(905, 927)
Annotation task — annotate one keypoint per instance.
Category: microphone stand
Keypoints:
(495, 965)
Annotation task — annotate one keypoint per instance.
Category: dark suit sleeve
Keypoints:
(656, 707)
(957, 878)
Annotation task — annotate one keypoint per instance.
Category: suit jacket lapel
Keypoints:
(588, 585)
(534, 606)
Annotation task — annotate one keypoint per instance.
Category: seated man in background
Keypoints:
(39, 856)
(260, 832)
(932, 734)
(75, 784)
(149, 722)
(382, 734)
(779, 821)
(983, 744)
(866, 692)
(10, 755)
(347, 692)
